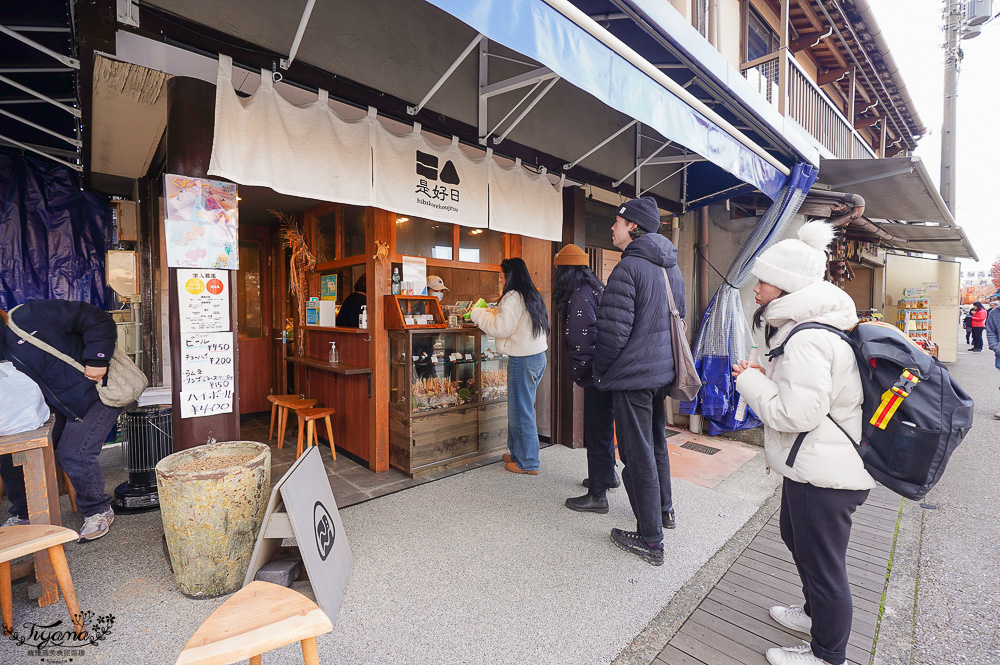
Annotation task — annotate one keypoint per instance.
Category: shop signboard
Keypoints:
(201, 223)
(208, 378)
(203, 300)
(302, 507)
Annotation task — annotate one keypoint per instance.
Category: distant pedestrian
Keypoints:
(993, 338)
(967, 324)
(978, 325)
(577, 295)
(816, 377)
(520, 325)
(634, 359)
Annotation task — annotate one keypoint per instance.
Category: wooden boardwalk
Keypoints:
(732, 626)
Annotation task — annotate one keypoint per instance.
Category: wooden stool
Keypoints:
(18, 541)
(259, 617)
(284, 404)
(274, 408)
(307, 416)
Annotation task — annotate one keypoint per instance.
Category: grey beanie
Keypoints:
(643, 212)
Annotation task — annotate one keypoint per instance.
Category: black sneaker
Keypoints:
(588, 503)
(669, 521)
(614, 485)
(631, 542)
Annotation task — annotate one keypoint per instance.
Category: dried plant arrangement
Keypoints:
(494, 384)
(301, 264)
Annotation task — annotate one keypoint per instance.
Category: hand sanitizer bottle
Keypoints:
(363, 319)
(334, 354)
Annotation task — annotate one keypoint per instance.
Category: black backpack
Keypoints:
(915, 414)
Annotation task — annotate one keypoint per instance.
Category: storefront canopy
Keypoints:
(943, 240)
(561, 37)
(893, 188)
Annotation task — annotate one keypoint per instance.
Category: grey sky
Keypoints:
(913, 30)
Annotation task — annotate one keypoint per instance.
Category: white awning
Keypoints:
(894, 188)
(943, 240)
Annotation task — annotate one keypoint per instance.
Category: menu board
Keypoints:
(201, 223)
(207, 375)
(203, 300)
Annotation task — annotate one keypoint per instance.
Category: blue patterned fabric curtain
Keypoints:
(725, 338)
(53, 235)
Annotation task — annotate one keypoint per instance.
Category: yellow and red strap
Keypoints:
(892, 398)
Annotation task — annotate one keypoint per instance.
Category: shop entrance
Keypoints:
(255, 317)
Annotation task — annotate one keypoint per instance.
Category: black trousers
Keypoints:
(599, 438)
(641, 423)
(816, 526)
(977, 338)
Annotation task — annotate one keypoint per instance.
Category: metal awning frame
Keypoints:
(72, 63)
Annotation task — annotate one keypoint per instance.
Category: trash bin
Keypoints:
(212, 501)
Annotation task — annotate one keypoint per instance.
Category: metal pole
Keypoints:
(952, 58)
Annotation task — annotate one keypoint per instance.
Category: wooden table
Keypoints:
(343, 369)
(33, 452)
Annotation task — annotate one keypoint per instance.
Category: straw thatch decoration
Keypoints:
(301, 264)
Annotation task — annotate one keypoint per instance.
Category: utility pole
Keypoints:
(954, 15)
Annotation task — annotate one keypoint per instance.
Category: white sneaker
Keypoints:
(14, 520)
(97, 526)
(800, 655)
(997, 415)
(793, 617)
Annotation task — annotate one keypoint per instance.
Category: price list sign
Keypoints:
(203, 300)
(207, 375)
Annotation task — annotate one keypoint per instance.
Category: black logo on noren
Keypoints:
(326, 532)
(427, 167)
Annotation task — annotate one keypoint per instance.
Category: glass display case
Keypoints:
(448, 398)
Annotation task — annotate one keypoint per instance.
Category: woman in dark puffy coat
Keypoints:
(88, 335)
(577, 295)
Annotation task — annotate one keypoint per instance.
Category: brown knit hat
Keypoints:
(571, 255)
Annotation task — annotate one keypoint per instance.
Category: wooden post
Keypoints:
(378, 229)
(783, 60)
(190, 125)
(567, 398)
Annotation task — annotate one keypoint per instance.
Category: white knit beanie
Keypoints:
(794, 264)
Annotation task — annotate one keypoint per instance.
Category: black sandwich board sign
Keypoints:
(302, 507)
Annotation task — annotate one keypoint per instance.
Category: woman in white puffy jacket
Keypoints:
(812, 384)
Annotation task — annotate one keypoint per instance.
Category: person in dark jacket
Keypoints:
(82, 421)
(349, 315)
(577, 295)
(634, 359)
(967, 324)
(993, 338)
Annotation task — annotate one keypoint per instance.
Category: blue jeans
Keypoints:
(77, 444)
(523, 375)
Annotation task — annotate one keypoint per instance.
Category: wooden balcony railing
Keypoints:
(783, 82)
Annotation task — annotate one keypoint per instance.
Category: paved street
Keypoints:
(958, 598)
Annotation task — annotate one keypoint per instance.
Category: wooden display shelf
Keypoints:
(398, 307)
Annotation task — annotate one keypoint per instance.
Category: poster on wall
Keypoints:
(208, 377)
(201, 223)
(203, 300)
(414, 276)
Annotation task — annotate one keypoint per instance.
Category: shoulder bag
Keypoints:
(686, 383)
(122, 384)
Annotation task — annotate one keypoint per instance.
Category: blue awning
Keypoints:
(539, 31)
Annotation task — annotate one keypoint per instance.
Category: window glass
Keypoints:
(354, 231)
(326, 237)
(480, 246)
(761, 40)
(416, 236)
(248, 291)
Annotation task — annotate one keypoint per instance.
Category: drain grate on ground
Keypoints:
(699, 448)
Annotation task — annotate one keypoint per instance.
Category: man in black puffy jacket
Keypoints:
(635, 360)
(87, 334)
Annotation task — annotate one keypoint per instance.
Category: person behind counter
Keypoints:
(520, 325)
(349, 315)
(578, 295)
(83, 421)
